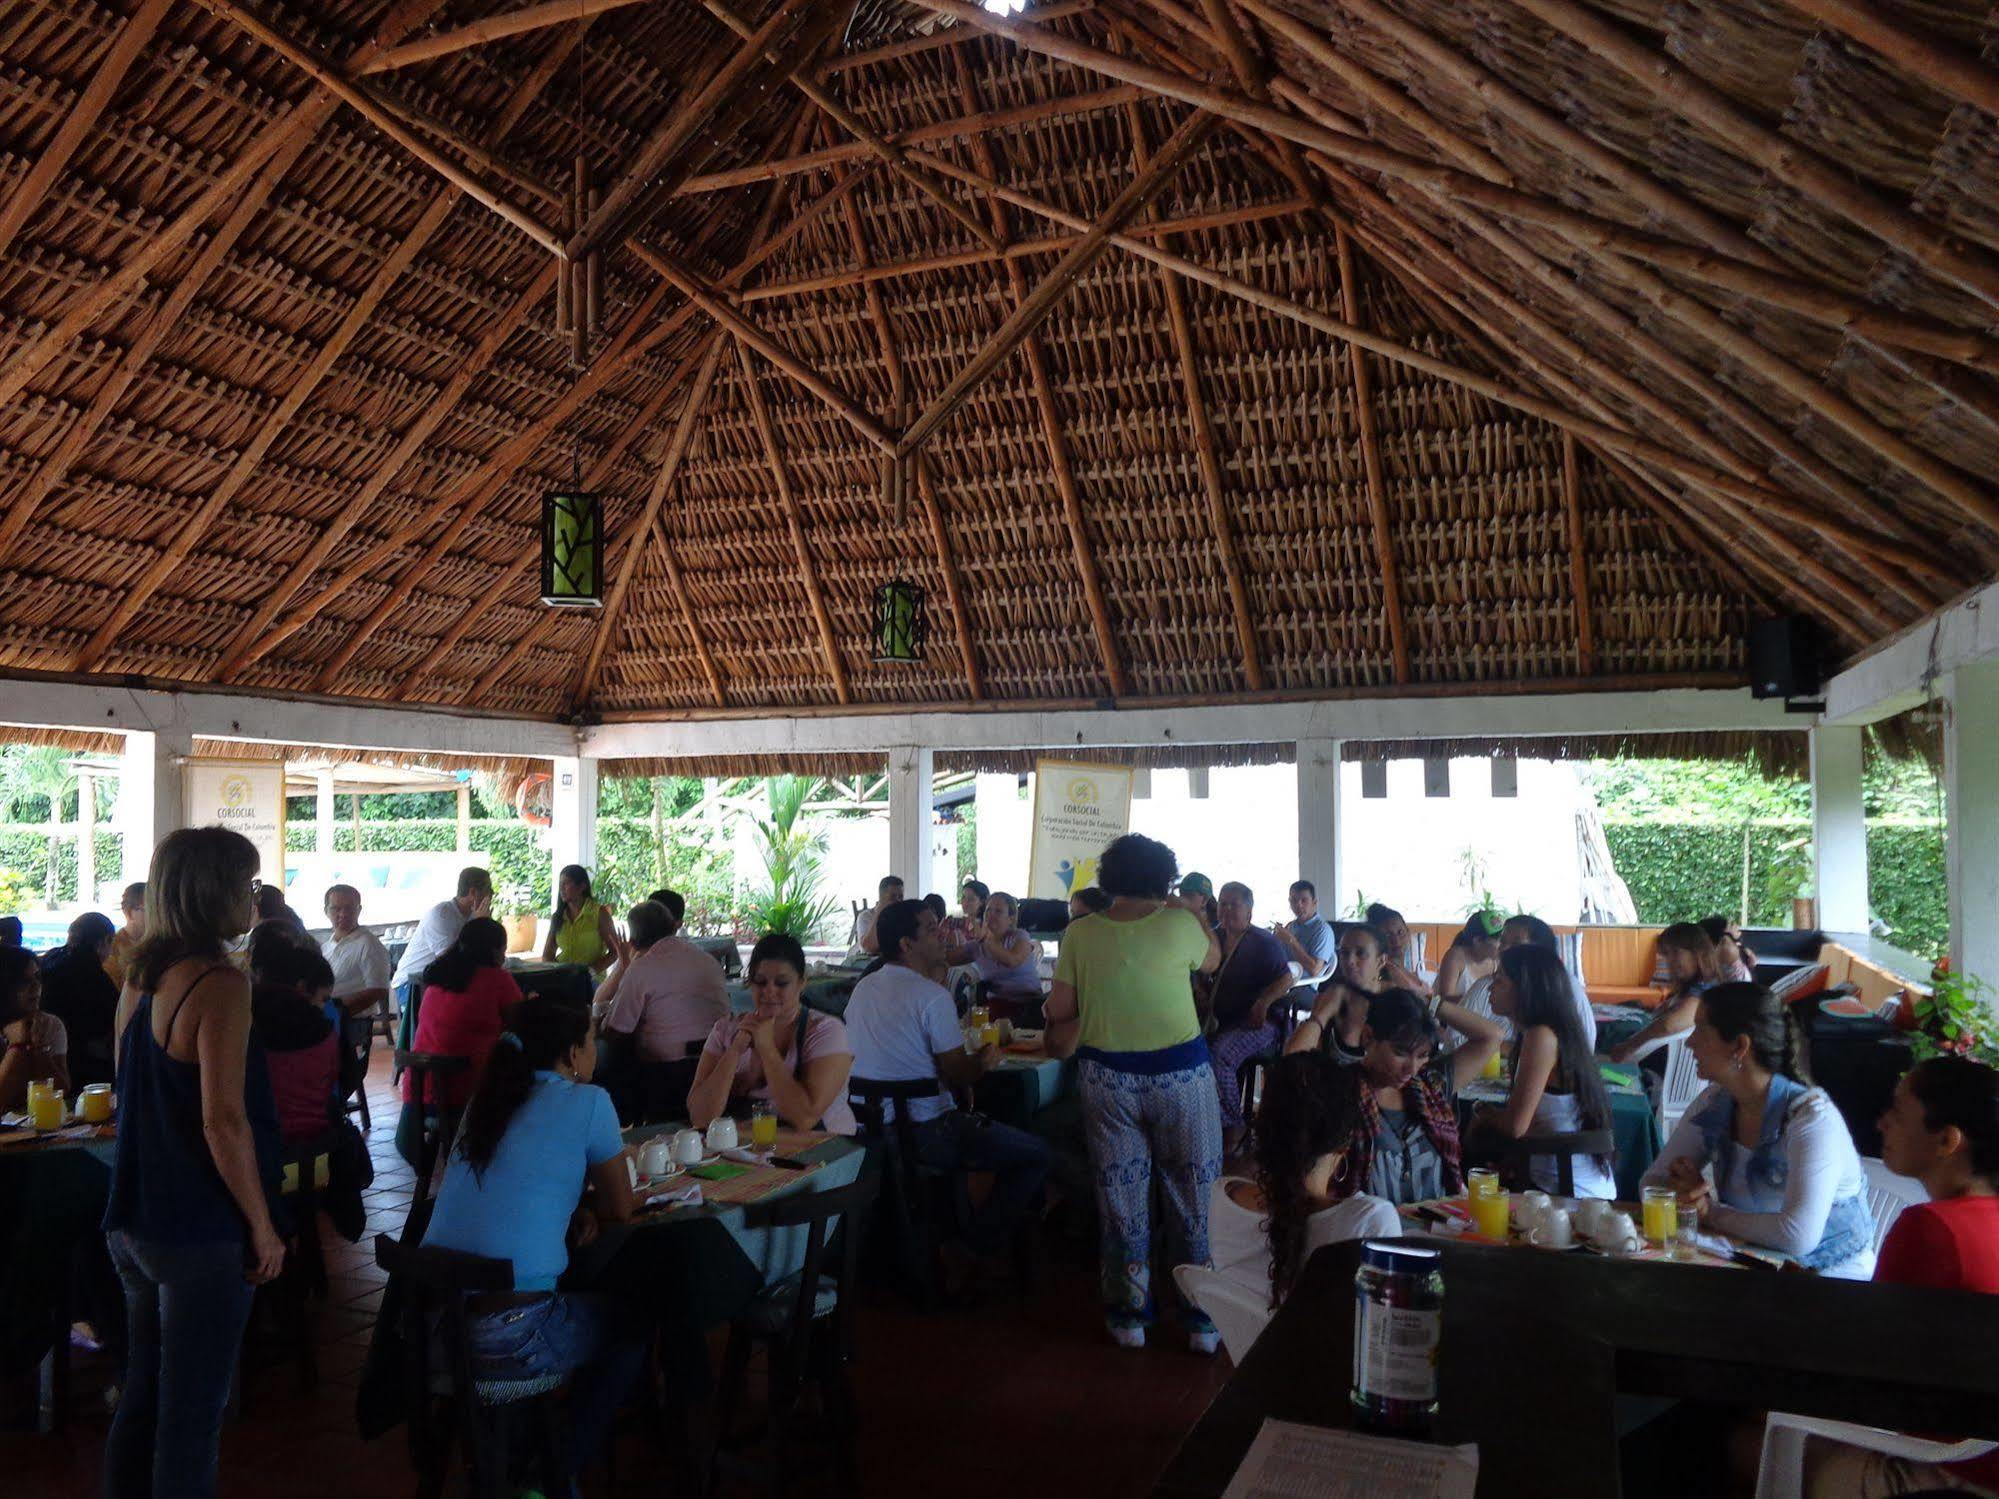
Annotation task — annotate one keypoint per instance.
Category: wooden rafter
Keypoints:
(1784, 157)
(794, 521)
(941, 39)
(335, 82)
(1370, 453)
(1052, 436)
(1049, 293)
(793, 31)
(893, 156)
(84, 112)
(662, 485)
(926, 490)
(491, 29)
(676, 585)
(292, 129)
(1206, 449)
(1955, 71)
(1572, 516)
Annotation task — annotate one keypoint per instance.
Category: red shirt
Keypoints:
(463, 1023)
(1951, 1245)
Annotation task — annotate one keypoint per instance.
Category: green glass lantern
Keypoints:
(899, 624)
(572, 550)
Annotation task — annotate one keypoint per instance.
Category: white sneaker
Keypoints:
(1204, 1342)
(1128, 1337)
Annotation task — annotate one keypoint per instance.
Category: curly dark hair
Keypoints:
(1306, 1114)
(1137, 866)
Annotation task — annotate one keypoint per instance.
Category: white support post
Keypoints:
(1319, 819)
(1971, 832)
(86, 839)
(572, 819)
(324, 814)
(910, 778)
(1839, 830)
(151, 798)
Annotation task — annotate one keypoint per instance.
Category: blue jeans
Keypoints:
(185, 1309)
(594, 1338)
(958, 1141)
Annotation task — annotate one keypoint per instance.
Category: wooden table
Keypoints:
(1536, 1348)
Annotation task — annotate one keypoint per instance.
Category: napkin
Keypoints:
(688, 1196)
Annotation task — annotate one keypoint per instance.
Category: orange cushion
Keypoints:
(1619, 956)
(1626, 994)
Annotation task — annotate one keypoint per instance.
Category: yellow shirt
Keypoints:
(1132, 979)
(578, 940)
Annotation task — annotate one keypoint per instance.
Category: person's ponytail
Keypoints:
(539, 1034)
(1791, 1053)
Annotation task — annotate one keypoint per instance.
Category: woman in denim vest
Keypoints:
(1784, 1171)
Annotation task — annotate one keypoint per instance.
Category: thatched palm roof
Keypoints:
(1673, 314)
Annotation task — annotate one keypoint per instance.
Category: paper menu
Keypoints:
(1291, 1461)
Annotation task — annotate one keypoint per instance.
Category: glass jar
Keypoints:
(1398, 1327)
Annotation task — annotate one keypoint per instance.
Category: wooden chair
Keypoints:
(477, 1411)
(806, 1324)
(1564, 1148)
(911, 1185)
(357, 1048)
(440, 1121)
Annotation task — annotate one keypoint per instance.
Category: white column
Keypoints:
(86, 839)
(150, 795)
(572, 821)
(323, 809)
(1971, 834)
(909, 813)
(1839, 830)
(1319, 819)
(464, 819)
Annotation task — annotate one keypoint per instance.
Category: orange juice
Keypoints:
(1495, 1066)
(45, 1106)
(763, 1130)
(1489, 1214)
(1661, 1209)
(94, 1103)
(989, 1034)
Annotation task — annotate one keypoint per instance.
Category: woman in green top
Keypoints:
(579, 928)
(1123, 1003)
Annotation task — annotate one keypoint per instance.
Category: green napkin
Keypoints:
(718, 1171)
(1618, 1075)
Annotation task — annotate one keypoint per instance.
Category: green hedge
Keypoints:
(1680, 870)
(25, 852)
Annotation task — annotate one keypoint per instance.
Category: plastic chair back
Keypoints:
(1564, 1148)
(1681, 1087)
(1239, 1315)
(1887, 1195)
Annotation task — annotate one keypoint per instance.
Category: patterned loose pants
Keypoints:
(1230, 1049)
(1136, 1122)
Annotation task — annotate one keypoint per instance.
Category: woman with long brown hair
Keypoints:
(1692, 968)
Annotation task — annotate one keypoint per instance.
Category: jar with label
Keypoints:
(1398, 1324)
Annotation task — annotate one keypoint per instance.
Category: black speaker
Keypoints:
(1784, 658)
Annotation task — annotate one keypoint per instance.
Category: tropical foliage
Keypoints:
(789, 900)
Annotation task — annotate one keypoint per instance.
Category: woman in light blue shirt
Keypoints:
(535, 1135)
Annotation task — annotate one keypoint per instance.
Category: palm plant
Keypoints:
(789, 900)
(36, 772)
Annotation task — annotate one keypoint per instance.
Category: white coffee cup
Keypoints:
(722, 1134)
(1537, 1202)
(1618, 1233)
(1528, 1213)
(656, 1156)
(688, 1148)
(1555, 1231)
(1591, 1214)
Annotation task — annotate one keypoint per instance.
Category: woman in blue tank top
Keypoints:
(190, 1224)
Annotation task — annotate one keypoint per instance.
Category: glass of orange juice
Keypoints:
(1489, 1212)
(95, 1103)
(45, 1105)
(763, 1126)
(1661, 1209)
(1481, 1181)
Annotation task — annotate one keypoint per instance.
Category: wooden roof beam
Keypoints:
(1788, 160)
(1370, 452)
(676, 585)
(1053, 288)
(290, 131)
(1206, 450)
(949, 37)
(84, 113)
(490, 29)
(794, 522)
(332, 79)
(892, 155)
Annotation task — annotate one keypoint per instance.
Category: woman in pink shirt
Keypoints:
(466, 994)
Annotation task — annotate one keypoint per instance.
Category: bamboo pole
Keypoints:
(1370, 449)
(490, 29)
(1048, 294)
(794, 523)
(917, 45)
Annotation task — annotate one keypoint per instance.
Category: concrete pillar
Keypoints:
(323, 810)
(572, 822)
(151, 798)
(464, 819)
(1839, 830)
(1971, 835)
(86, 839)
(1319, 820)
(910, 777)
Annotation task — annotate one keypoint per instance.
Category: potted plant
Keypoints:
(1956, 1019)
(512, 911)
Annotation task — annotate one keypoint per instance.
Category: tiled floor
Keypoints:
(1012, 1399)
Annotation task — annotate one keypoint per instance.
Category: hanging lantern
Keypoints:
(899, 626)
(572, 550)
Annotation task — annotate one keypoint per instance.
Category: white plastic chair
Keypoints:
(1887, 1195)
(1239, 1316)
(1681, 1087)
(1782, 1473)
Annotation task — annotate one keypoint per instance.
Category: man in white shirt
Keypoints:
(671, 993)
(359, 962)
(903, 1027)
(865, 943)
(440, 927)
